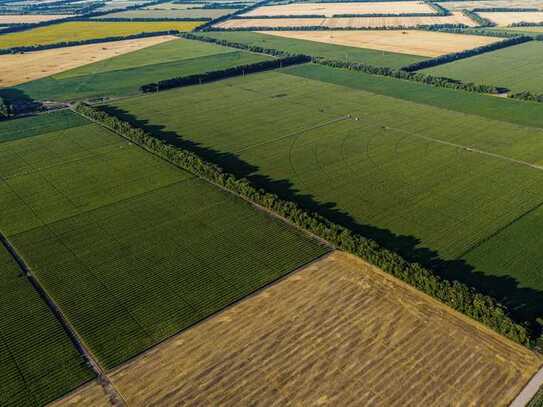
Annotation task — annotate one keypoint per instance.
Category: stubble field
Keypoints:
(21, 68)
(28, 18)
(506, 19)
(412, 42)
(338, 332)
(330, 9)
(469, 5)
(354, 22)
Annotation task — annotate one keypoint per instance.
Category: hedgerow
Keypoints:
(453, 293)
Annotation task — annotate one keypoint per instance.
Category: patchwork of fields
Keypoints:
(21, 68)
(416, 186)
(124, 75)
(300, 343)
(132, 249)
(413, 42)
(354, 22)
(319, 49)
(38, 362)
(84, 30)
(516, 68)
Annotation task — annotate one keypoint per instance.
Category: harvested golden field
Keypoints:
(338, 332)
(330, 9)
(505, 19)
(28, 18)
(21, 68)
(89, 395)
(412, 42)
(469, 5)
(356, 22)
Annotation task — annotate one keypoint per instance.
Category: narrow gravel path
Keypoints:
(529, 391)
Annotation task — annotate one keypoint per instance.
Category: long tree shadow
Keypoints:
(525, 304)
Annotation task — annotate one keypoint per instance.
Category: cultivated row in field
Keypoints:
(131, 248)
(417, 185)
(21, 68)
(38, 362)
(412, 42)
(125, 74)
(331, 9)
(338, 332)
(355, 22)
(516, 68)
(85, 30)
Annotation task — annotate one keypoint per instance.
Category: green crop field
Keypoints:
(352, 54)
(180, 13)
(130, 247)
(85, 30)
(38, 362)
(432, 179)
(517, 68)
(123, 75)
(533, 31)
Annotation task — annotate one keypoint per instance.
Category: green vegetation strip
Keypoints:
(517, 68)
(131, 248)
(412, 176)
(124, 75)
(38, 362)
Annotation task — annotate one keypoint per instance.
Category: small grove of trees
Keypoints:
(443, 59)
(224, 73)
(453, 293)
(16, 50)
(5, 110)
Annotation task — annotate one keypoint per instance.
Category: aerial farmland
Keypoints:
(240, 202)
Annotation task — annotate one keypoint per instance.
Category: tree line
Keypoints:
(458, 296)
(224, 73)
(220, 19)
(374, 70)
(30, 48)
(464, 29)
(325, 28)
(143, 19)
(504, 10)
(444, 59)
(482, 22)
(5, 110)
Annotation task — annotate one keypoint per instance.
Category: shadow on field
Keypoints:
(525, 304)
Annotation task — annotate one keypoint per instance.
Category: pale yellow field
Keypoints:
(469, 5)
(329, 9)
(21, 68)
(505, 19)
(356, 22)
(338, 332)
(28, 18)
(412, 42)
(89, 395)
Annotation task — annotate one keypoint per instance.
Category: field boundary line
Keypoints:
(125, 364)
(114, 396)
(529, 391)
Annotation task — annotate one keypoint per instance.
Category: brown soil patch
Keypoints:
(21, 68)
(89, 395)
(338, 332)
(413, 42)
(356, 22)
(505, 19)
(28, 18)
(329, 9)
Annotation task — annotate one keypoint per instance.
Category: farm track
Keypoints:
(114, 397)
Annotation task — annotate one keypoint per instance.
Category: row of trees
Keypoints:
(482, 22)
(5, 110)
(144, 19)
(504, 10)
(441, 11)
(526, 24)
(532, 97)
(217, 20)
(462, 30)
(16, 50)
(224, 73)
(325, 28)
(374, 70)
(456, 295)
(444, 59)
